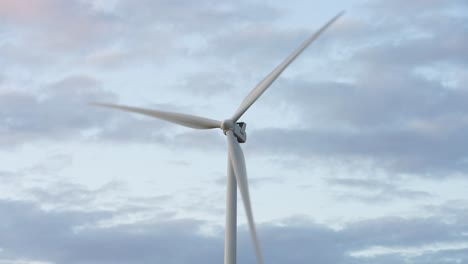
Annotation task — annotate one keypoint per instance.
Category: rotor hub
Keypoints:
(238, 129)
(227, 124)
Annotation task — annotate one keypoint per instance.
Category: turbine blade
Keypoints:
(238, 164)
(270, 78)
(177, 118)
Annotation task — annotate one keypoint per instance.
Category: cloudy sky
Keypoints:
(358, 153)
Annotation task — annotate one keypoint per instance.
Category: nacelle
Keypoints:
(239, 132)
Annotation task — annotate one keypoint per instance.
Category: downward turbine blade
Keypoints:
(270, 78)
(177, 118)
(238, 164)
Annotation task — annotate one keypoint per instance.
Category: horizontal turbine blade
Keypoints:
(177, 118)
(270, 78)
(238, 164)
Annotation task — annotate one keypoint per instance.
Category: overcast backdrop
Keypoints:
(358, 153)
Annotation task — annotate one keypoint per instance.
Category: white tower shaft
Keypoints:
(231, 216)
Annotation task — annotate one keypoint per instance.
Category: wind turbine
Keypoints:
(235, 133)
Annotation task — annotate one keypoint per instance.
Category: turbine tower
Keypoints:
(235, 134)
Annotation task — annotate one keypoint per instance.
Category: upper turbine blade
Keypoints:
(270, 78)
(238, 164)
(181, 119)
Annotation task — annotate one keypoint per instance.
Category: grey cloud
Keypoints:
(7, 175)
(61, 111)
(438, 257)
(375, 191)
(161, 28)
(442, 39)
(108, 58)
(188, 28)
(63, 194)
(397, 151)
(405, 232)
(407, 9)
(207, 141)
(207, 83)
(31, 233)
(50, 165)
(126, 128)
(253, 182)
(258, 44)
(443, 256)
(22, 177)
(197, 17)
(453, 210)
(381, 99)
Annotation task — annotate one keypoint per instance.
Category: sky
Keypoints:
(356, 154)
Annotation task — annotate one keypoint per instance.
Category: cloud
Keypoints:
(57, 111)
(55, 27)
(114, 33)
(52, 236)
(202, 17)
(394, 151)
(60, 110)
(375, 191)
(413, 9)
(72, 237)
(208, 84)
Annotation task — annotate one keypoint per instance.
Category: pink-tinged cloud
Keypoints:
(27, 10)
(55, 25)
